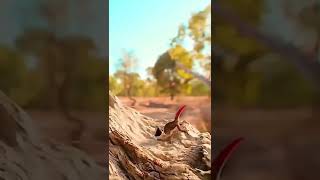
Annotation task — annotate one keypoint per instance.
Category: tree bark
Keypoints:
(171, 97)
(25, 155)
(131, 98)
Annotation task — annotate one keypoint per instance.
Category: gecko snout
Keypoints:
(158, 132)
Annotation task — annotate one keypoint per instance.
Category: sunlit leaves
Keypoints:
(198, 30)
(228, 38)
(250, 11)
(140, 87)
(115, 85)
(199, 56)
(197, 24)
(183, 74)
(165, 72)
(17, 80)
(180, 54)
(180, 36)
(198, 46)
(172, 68)
(199, 89)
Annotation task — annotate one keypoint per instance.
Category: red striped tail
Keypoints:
(179, 112)
(224, 155)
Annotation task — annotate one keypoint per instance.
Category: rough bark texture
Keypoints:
(25, 155)
(134, 153)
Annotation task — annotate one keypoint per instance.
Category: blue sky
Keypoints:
(146, 27)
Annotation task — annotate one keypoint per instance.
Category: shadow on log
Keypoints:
(134, 153)
(25, 155)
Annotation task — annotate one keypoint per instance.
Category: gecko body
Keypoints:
(171, 126)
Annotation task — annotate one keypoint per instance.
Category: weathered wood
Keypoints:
(134, 152)
(25, 155)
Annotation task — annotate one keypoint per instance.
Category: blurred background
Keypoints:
(160, 57)
(53, 56)
(266, 76)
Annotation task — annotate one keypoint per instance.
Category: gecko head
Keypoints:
(158, 132)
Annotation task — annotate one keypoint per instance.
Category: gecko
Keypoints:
(170, 126)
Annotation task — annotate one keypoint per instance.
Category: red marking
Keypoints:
(223, 157)
(179, 112)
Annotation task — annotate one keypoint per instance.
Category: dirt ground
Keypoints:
(280, 144)
(55, 128)
(198, 110)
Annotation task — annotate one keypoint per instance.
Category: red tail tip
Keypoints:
(179, 112)
(224, 155)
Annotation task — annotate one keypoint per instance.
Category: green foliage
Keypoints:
(60, 64)
(167, 71)
(184, 57)
(16, 78)
(168, 78)
(150, 88)
(139, 87)
(228, 38)
(254, 76)
(199, 31)
(12, 70)
(87, 87)
(199, 89)
(267, 82)
(115, 85)
(130, 80)
(283, 85)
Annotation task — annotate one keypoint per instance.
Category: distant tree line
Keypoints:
(50, 72)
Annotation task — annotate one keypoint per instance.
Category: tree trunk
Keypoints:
(64, 109)
(131, 98)
(63, 91)
(171, 97)
(51, 94)
(134, 153)
(25, 155)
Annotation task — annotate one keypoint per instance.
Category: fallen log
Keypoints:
(24, 154)
(135, 153)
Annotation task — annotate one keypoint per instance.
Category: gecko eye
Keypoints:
(158, 132)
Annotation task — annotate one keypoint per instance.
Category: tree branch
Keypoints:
(205, 80)
(308, 66)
